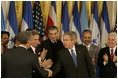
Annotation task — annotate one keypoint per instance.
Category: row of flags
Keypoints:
(33, 19)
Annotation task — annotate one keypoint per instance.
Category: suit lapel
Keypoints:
(91, 51)
(78, 52)
(108, 52)
(30, 49)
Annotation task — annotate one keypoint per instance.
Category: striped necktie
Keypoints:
(74, 57)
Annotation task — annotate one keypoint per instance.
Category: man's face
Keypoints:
(35, 40)
(111, 41)
(86, 38)
(5, 39)
(53, 34)
(68, 43)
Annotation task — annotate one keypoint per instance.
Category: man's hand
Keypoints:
(115, 59)
(43, 54)
(49, 72)
(105, 57)
(93, 59)
(47, 64)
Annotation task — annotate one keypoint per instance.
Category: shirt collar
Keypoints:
(22, 46)
(33, 48)
(73, 49)
(87, 45)
(53, 41)
(113, 49)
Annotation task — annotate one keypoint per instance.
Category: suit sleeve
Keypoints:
(89, 64)
(100, 59)
(37, 67)
(96, 54)
(57, 67)
(2, 67)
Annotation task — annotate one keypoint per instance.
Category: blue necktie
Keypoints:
(74, 57)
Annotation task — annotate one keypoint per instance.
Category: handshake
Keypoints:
(46, 64)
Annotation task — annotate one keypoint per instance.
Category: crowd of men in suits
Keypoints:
(56, 59)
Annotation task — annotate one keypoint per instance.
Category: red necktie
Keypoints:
(112, 54)
(87, 47)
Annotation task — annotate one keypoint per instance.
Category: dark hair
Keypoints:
(16, 38)
(86, 30)
(29, 29)
(5, 32)
(24, 36)
(52, 28)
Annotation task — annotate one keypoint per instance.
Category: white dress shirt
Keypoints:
(74, 51)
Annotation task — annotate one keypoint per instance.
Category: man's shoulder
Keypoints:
(59, 40)
(80, 46)
(93, 45)
(62, 50)
(46, 41)
(105, 48)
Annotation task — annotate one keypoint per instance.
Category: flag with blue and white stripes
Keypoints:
(12, 27)
(27, 21)
(94, 26)
(65, 19)
(105, 27)
(3, 24)
(75, 22)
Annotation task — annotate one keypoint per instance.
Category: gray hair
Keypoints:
(113, 34)
(34, 32)
(24, 36)
(72, 35)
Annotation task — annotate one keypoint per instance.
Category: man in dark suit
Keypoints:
(53, 45)
(19, 62)
(107, 58)
(73, 59)
(36, 50)
(92, 49)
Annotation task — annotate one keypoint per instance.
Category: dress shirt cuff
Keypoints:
(105, 63)
(39, 58)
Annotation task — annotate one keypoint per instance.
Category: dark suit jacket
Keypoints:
(109, 70)
(34, 73)
(52, 48)
(19, 62)
(84, 67)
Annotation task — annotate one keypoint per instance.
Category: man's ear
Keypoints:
(29, 41)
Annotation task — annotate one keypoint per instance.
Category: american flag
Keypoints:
(38, 18)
